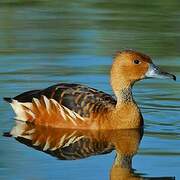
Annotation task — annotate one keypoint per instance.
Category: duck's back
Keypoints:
(78, 98)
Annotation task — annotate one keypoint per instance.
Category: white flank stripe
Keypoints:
(28, 105)
(62, 113)
(53, 149)
(36, 101)
(27, 137)
(46, 102)
(18, 129)
(73, 140)
(19, 118)
(72, 134)
(47, 145)
(70, 141)
(71, 119)
(62, 140)
(32, 131)
(19, 110)
(71, 113)
(79, 117)
(30, 113)
(37, 143)
(78, 138)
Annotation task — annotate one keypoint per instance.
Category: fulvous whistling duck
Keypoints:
(78, 106)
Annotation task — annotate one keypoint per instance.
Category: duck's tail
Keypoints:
(8, 99)
(46, 112)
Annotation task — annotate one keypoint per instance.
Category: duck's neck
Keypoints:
(126, 109)
(123, 91)
(124, 95)
(121, 85)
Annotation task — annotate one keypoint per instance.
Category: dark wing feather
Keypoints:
(27, 96)
(79, 98)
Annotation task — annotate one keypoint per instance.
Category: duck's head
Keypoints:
(130, 66)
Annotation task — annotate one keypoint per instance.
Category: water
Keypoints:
(45, 42)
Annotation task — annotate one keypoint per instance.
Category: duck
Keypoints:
(67, 105)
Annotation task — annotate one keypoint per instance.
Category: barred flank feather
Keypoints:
(46, 112)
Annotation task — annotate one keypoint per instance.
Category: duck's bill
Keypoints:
(155, 72)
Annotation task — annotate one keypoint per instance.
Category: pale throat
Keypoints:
(124, 95)
(122, 86)
(123, 91)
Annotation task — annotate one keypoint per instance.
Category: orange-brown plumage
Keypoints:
(77, 106)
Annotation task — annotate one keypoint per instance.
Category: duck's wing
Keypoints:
(78, 98)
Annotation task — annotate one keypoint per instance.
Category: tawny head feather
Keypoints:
(128, 66)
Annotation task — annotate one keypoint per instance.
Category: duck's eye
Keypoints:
(136, 61)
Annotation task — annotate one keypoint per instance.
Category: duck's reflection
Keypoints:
(71, 144)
